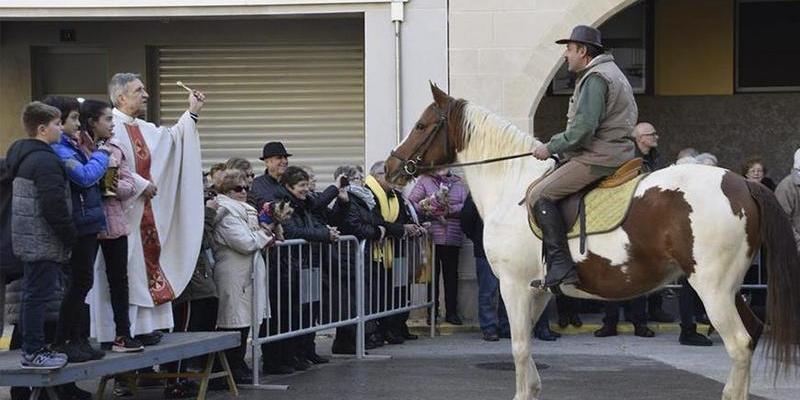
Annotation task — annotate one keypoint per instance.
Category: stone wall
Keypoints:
(731, 127)
(502, 52)
(501, 56)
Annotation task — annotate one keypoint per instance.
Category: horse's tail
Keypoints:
(783, 282)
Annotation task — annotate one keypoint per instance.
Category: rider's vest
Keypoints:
(612, 144)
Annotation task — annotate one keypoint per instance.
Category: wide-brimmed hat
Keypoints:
(272, 149)
(584, 34)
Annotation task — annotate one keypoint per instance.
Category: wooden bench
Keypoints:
(173, 347)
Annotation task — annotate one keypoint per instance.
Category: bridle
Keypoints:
(411, 166)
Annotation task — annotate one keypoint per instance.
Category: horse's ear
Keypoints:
(439, 96)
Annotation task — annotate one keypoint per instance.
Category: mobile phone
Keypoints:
(344, 181)
(209, 194)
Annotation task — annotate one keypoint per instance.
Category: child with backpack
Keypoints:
(41, 226)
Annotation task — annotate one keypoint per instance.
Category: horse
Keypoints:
(701, 222)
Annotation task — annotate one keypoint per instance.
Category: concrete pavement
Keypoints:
(461, 366)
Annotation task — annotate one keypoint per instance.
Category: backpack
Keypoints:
(10, 265)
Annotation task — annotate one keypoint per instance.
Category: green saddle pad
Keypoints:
(606, 209)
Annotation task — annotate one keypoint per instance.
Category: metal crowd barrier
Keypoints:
(755, 279)
(312, 286)
(397, 279)
(2, 303)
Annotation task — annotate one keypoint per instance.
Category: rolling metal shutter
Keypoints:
(309, 95)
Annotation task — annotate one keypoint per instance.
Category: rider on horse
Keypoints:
(600, 121)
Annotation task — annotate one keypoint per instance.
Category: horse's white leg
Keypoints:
(720, 305)
(540, 300)
(518, 298)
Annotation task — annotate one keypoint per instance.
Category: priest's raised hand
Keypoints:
(196, 101)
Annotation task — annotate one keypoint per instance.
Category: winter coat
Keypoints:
(360, 221)
(84, 174)
(238, 240)
(202, 285)
(769, 183)
(289, 265)
(265, 189)
(397, 228)
(472, 225)
(52, 308)
(303, 224)
(788, 194)
(448, 233)
(608, 144)
(319, 201)
(651, 161)
(114, 207)
(42, 228)
(364, 223)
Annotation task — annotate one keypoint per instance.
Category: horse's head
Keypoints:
(432, 143)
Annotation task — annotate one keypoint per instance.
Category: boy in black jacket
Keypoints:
(41, 226)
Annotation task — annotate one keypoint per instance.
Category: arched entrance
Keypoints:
(715, 80)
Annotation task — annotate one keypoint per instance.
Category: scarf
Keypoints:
(390, 206)
(364, 194)
(390, 210)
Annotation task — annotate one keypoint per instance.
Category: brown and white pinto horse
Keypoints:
(701, 222)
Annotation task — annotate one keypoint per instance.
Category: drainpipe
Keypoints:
(397, 18)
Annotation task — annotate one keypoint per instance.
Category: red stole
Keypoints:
(160, 289)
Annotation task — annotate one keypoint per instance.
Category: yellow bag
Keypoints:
(425, 258)
(383, 251)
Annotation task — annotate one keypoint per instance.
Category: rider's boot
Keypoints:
(560, 267)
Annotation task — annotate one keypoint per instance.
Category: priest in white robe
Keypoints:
(165, 216)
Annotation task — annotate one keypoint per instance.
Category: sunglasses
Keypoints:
(240, 189)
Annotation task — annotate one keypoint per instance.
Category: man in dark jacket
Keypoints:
(267, 187)
(41, 225)
(493, 319)
(788, 194)
(646, 139)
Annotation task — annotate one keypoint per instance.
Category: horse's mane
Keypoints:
(486, 135)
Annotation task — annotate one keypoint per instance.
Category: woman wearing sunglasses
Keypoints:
(238, 240)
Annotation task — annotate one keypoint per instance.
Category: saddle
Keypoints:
(599, 208)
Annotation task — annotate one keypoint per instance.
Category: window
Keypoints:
(70, 71)
(625, 37)
(767, 47)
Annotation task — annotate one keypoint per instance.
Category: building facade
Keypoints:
(322, 75)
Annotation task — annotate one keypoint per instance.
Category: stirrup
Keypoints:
(567, 280)
(539, 284)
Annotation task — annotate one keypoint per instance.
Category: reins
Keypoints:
(411, 166)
